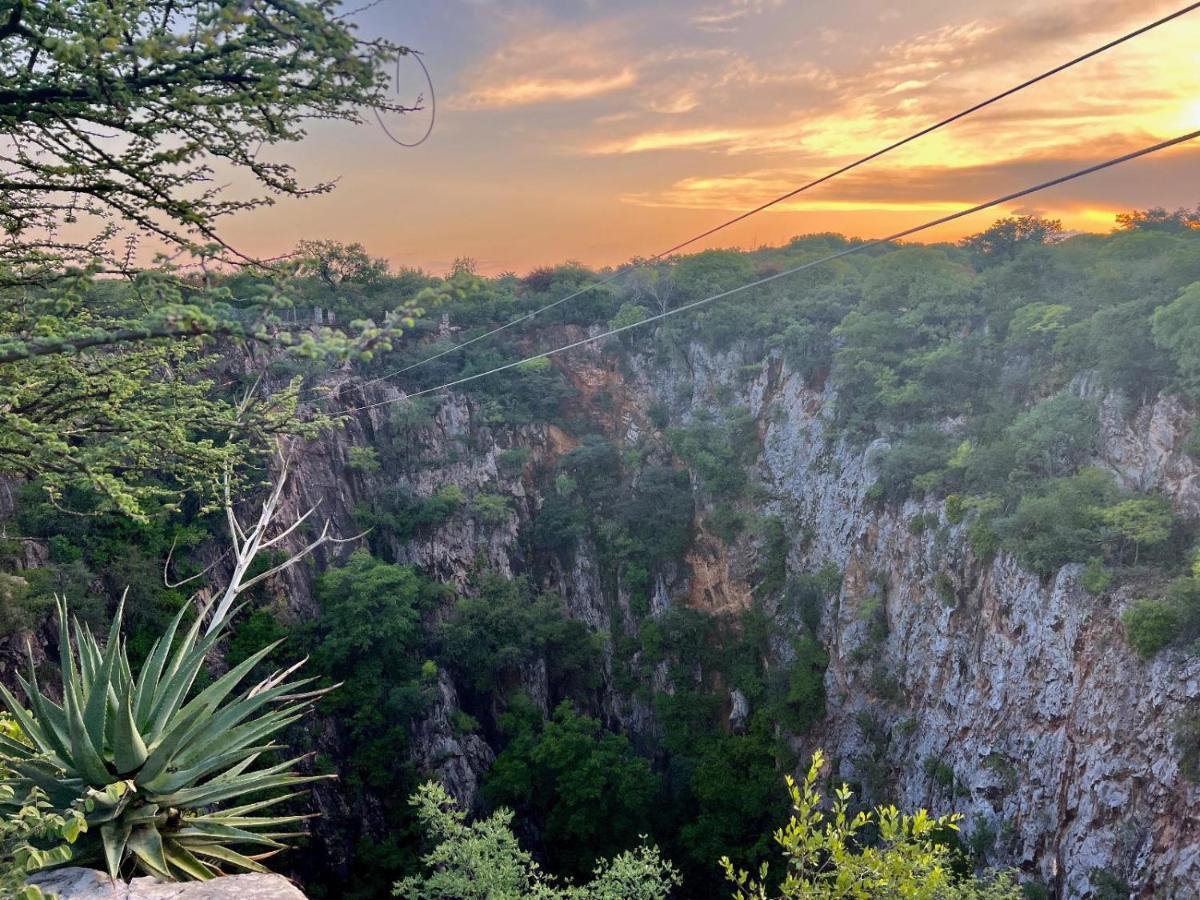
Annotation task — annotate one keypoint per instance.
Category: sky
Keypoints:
(601, 130)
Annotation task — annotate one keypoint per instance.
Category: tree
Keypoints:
(1059, 524)
(117, 113)
(830, 855)
(1140, 521)
(117, 119)
(1005, 238)
(1176, 328)
(483, 861)
(589, 794)
(1159, 219)
(336, 264)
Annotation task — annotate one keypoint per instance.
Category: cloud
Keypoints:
(724, 17)
(540, 89)
(939, 188)
(552, 66)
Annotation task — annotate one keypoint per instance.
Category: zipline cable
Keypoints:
(790, 194)
(858, 248)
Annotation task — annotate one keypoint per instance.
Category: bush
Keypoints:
(1150, 625)
(363, 459)
(909, 858)
(1095, 579)
(804, 703)
(1060, 524)
(483, 860)
(586, 791)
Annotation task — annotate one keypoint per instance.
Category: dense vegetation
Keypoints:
(981, 372)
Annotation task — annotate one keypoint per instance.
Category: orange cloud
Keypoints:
(535, 89)
(545, 66)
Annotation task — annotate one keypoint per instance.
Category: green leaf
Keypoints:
(114, 836)
(129, 750)
(146, 844)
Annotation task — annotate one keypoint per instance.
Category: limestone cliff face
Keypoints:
(1058, 737)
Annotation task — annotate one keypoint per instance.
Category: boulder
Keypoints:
(89, 884)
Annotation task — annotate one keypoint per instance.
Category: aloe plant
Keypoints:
(151, 760)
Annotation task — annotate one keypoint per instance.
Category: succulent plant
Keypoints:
(151, 760)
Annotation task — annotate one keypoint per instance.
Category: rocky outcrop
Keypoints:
(953, 683)
(88, 884)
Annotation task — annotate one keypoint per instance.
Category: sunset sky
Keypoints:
(598, 130)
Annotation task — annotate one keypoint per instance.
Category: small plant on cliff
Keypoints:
(830, 854)
(147, 761)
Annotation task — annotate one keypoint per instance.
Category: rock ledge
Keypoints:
(89, 884)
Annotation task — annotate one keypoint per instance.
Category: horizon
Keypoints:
(599, 133)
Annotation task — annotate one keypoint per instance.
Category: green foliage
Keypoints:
(772, 567)
(1176, 328)
(1187, 745)
(32, 835)
(492, 509)
(907, 859)
(363, 459)
(1153, 624)
(584, 789)
(483, 861)
(1006, 237)
(368, 637)
(1095, 578)
(803, 705)
(108, 385)
(149, 761)
(943, 584)
(506, 625)
(719, 452)
(1150, 625)
(659, 516)
(1140, 522)
(1059, 524)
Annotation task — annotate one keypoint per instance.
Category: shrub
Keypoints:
(726, 522)
(491, 509)
(944, 585)
(908, 859)
(1060, 524)
(1187, 745)
(483, 860)
(956, 509)
(585, 789)
(1095, 578)
(804, 703)
(363, 459)
(1150, 625)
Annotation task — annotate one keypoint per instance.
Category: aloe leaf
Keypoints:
(217, 738)
(89, 653)
(245, 808)
(129, 750)
(114, 836)
(165, 749)
(146, 843)
(173, 780)
(205, 795)
(224, 854)
(52, 721)
(152, 669)
(180, 680)
(212, 695)
(27, 722)
(83, 753)
(179, 857)
(227, 833)
(95, 713)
